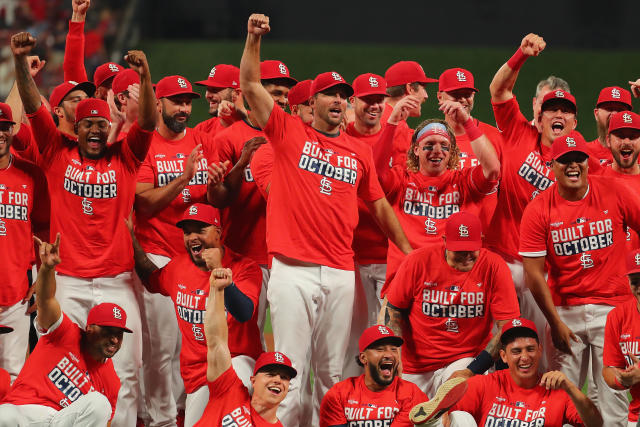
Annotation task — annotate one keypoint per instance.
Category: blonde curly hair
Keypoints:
(413, 162)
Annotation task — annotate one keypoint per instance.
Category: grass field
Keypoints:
(587, 71)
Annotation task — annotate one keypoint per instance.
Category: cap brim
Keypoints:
(367, 93)
(182, 222)
(506, 336)
(565, 100)
(112, 76)
(127, 330)
(623, 126)
(207, 83)
(345, 85)
(429, 80)
(8, 121)
(571, 151)
(634, 271)
(291, 82)
(87, 87)
(615, 101)
(191, 94)
(452, 88)
(395, 340)
(454, 245)
(292, 371)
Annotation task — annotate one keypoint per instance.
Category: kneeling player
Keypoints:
(229, 400)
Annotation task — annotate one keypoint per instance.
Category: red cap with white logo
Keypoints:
(369, 84)
(463, 232)
(274, 69)
(376, 333)
(633, 262)
(624, 120)
(222, 76)
(201, 212)
(174, 85)
(560, 95)
(105, 72)
(124, 79)
(568, 143)
(92, 107)
(328, 80)
(404, 72)
(456, 78)
(515, 324)
(274, 359)
(5, 113)
(300, 93)
(615, 94)
(59, 92)
(108, 314)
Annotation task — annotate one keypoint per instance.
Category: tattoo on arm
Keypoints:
(393, 319)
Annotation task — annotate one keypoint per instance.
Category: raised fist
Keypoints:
(137, 60)
(80, 6)
(22, 44)
(258, 24)
(532, 44)
(213, 258)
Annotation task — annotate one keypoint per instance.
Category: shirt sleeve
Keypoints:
(332, 409)
(45, 133)
(504, 302)
(571, 415)
(510, 120)
(146, 173)
(479, 184)
(225, 383)
(533, 231)
(630, 206)
(369, 188)
(276, 128)
(158, 282)
(261, 165)
(40, 214)
(612, 355)
(24, 145)
(136, 144)
(73, 64)
(399, 292)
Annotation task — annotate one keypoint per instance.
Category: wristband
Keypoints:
(472, 131)
(481, 363)
(516, 61)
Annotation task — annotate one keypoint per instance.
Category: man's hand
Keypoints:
(134, 91)
(631, 375)
(137, 60)
(49, 254)
(213, 258)
(562, 337)
(258, 24)
(455, 110)
(249, 148)
(117, 116)
(22, 44)
(402, 108)
(635, 88)
(35, 64)
(532, 44)
(192, 162)
(216, 173)
(554, 380)
(80, 7)
(220, 278)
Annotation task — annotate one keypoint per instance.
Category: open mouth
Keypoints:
(335, 112)
(626, 154)
(94, 142)
(525, 368)
(276, 390)
(386, 368)
(573, 175)
(196, 249)
(557, 126)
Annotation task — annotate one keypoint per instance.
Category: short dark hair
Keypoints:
(278, 82)
(399, 90)
(515, 333)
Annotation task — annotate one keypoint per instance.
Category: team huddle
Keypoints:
(454, 274)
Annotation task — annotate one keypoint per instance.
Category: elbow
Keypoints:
(492, 173)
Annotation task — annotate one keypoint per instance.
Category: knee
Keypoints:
(98, 406)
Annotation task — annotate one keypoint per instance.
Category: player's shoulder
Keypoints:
(344, 388)
(408, 389)
(236, 260)
(425, 254)
(626, 309)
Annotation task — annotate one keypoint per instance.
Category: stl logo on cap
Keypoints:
(461, 77)
(570, 142)
(463, 230)
(373, 82)
(193, 210)
(626, 117)
(615, 93)
(636, 259)
(212, 72)
(117, 314)
(278, 357)
(182, 83)
(516, 322)
(336, 76)
(282, 68)
(113, 68)
(94, 111)
(559, 94)
(383, 330)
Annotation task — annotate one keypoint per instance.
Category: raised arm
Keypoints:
(21, 45)
(48, 307)
(143, 265)
(388, 222)
(73, 64)
(501, 86)
(147, 113)
(13, 99)
(391, 317)
(480, 144)
(216, 330)
(254, 93)
(586, 409)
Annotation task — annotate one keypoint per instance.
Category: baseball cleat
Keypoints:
(427, 413)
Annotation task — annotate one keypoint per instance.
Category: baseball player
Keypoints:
(229, 400)
(377, 397)
(578, 229)
(444, 300)
(73, 64)
(223, 87)
(103, 78)
(318, 175)
(298, 98)
(520, 395)
(91, 185)
(621, 365)
(126, 93)
(24, 209)
(611, 100)
(551, 83)
(185, 281)
(172, 177)
(69, 379)
(431, 188)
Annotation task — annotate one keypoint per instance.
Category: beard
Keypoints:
(375, 375)
(172, 122)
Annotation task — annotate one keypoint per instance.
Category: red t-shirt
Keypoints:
(424, 203)
(622, 339)
(369, 242)
(24, 202)
(495, 400)
(597, 151)
(58, 372)
(90, 198)
(312, 208)
(582, 241)
(24, 145)
(211, 126)
(351, 403)
(188, 287)
(230, 404)
(5, 383)
(526, 172)
(165, 162)
(626, 182)
(261, 166)
(402, 138)
(451, 313)
(244, 221)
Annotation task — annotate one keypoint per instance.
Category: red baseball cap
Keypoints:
(5, 113)
(456, 78)
(515, 325)
(624, 120)
(561, 95)
(108, 314)
(376, 333)
(274, 359)
(200, 212)
(105, 72)
(615, 94)
(404, 72)
(174, 85)
(92, 107)
(274, 69)
(222, 76)
(567, 144)
(463, 232)
(5, 329)
(328, 80)
(300, 93)
(633, 262)
(59, 92)
(369, 84)
(124, 79)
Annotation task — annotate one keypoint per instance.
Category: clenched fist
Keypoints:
(22, 44)
(258, 24)
(532, 44)
(137, 60)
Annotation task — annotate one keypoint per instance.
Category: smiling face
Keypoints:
(418, 90)
(625, 147)
(270, 386)
(368, 109)
(557, 118)
(522, 356)
(381, 360)
(602, 113)
(103, 341)
(462, 260)
(93, 133)
(433, 154)
(571, 170)
(5, 138)
(215, 95)
(634, 282)
(67, 108)
(279, 93)
(199, 236)
(463, 96)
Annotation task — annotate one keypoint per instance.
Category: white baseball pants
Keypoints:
(14, 345)
(263, 304)
(429, 382)
(311, 308)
